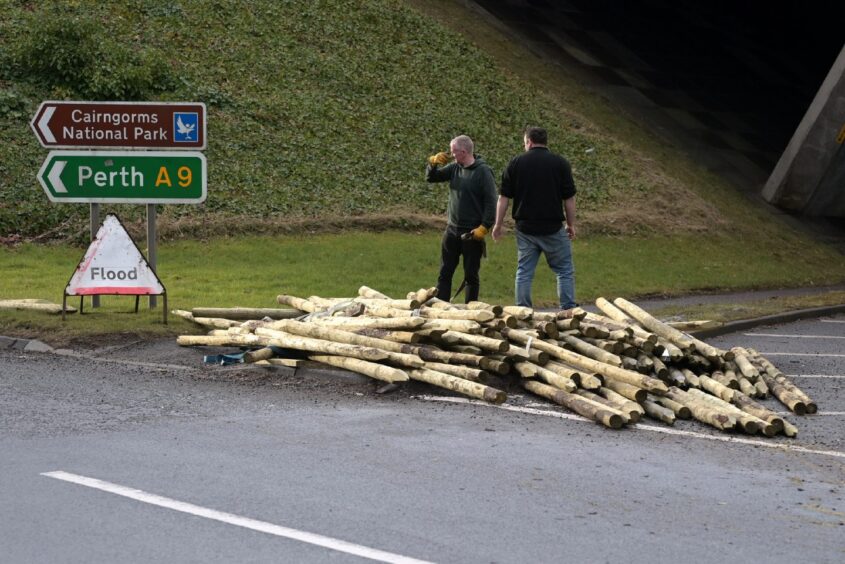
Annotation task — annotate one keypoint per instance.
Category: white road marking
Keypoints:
(665, 430)
(834, 376)
(237, 520)
(799, 354)
(794, 336)
(832, 320)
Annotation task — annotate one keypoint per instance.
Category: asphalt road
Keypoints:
(165, 459)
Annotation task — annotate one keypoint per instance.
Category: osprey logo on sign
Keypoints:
(113, 264)
(185, 127)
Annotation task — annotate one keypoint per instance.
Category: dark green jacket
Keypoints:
(472, 193)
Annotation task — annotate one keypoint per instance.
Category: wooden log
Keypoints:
(263, 353)
(531, 370)
(572, 374)
(520, 312)
(613, 312)
(334, 334)
(812, 407)
(627, 390)
(717, 389)
(702, 412)
(748, 405)
(591, 351)
(245, 313)
(286, 362)
(725, 379)
(660, 369)
(465, 387)
(677, 378)
(674, 353)
(691, 378)
(694, 325)
(221, 341)
(461, 371)
(405, 337)
(656, 411)
(433, 354)
(576, 403)
(437, 303)
(353, 323)
(593, 330)
(296, 303)
(423, 294)
(762, 388)
(533, 354)
(789, 429)
(795, 404)
(393, 304)
(367, 292)
(460, 325)
(371, 369)
(215, 322)
(681, 411)
(288, 340)
(484, 343)
(622, 403)
(627, 416)
(749, 423)
(465, 349)
(31, 304)
(645, 363)
(571, 324)
(500, 367)
(745, 367)
(479, 316)
(654, 325)
(588, 364)
(496, 310)
(747, 387)
(613, 347)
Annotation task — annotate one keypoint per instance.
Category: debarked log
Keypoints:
(246, 313)
(297, 342)
(371, 369)
(588, 364)
(579, 405)
(221, 341)
(465, 387)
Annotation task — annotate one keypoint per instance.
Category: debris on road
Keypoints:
(614, 367)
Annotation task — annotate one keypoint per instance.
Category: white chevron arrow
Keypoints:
(55, 177)
(44, 124)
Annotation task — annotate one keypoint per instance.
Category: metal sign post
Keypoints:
(174, 176)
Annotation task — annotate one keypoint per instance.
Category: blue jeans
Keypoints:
(558, 251)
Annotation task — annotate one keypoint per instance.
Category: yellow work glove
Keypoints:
(440, 158)
(479, 232)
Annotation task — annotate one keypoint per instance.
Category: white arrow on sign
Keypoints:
(44, 124)
(55, 177)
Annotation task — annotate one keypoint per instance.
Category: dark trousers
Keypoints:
(451, 249)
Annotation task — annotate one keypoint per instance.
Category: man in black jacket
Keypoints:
(540, 184)
(471, 209)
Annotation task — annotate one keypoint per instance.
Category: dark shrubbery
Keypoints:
(82, 57)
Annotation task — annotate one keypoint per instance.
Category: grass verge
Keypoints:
(251, 271)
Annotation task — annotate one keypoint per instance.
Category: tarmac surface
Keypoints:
(140, 452)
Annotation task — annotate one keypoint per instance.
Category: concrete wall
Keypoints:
(808, 177)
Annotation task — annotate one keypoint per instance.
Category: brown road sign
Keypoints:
(132, 125)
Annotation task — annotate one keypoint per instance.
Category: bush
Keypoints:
(75, 55)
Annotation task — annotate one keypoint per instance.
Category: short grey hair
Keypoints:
(465, 143)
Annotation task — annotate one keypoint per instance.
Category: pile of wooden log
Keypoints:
(613, 367)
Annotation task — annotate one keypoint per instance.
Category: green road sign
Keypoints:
(127, 177)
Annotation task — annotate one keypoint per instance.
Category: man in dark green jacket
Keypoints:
(471, 212)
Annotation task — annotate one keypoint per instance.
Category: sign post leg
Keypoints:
(151, 243)
(95, 226)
